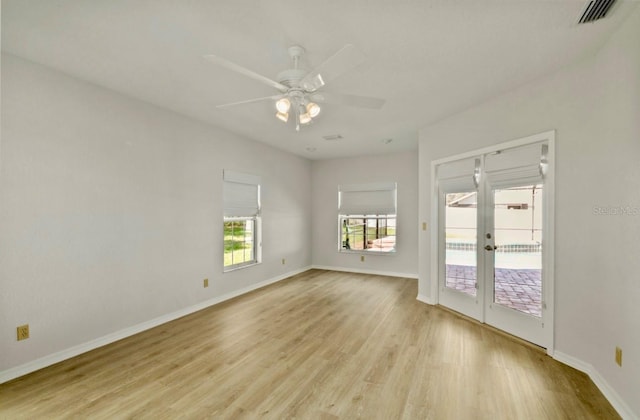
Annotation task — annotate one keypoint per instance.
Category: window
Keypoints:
(239, 242)
(368, 233)
(367, 217)
(241, 220)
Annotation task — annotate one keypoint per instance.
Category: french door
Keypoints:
(493, 235)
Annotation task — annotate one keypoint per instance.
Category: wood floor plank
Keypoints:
(320, 345)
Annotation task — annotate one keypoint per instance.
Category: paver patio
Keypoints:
(519, 289)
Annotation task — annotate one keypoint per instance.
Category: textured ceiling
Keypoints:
(428, 59)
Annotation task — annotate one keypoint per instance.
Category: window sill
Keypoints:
(366, 252)
(240, 267)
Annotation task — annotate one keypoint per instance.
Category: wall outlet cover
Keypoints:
(23, 332)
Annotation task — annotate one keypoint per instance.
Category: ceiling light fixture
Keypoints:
(305, 118)
(313, 109)
(283, 105)
(300, 90)
(305, 110)
(282, 116)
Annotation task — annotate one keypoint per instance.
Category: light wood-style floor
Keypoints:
(320, 345)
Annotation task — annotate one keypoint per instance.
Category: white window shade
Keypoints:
(459, 175)
(241, 194)
(525, 163)
(367, 199)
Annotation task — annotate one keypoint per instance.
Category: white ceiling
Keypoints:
(427, 58)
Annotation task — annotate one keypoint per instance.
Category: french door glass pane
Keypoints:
(461, 241)
(518, 257)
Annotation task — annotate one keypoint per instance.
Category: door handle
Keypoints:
(490, 248)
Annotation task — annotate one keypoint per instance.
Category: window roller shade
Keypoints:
(367, 199)
(459, 175)
(241, 194)
(524, 163)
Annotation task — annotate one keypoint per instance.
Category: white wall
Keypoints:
(111, 212)
(328, 174)
(595, 108)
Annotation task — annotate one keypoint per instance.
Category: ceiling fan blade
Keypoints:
(342, 61)
(244, 71)
(350, 100)
(248, 101)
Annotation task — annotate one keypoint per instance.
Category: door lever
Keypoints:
(490, 248)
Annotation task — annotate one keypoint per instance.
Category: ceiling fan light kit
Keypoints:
(299, 89)
(305, 111)
(313, 109)
(282, 116)
(305, 118)
(283, 105)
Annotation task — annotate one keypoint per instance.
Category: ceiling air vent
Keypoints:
(596, 9)
(332, 137)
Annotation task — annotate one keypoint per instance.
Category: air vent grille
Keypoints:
(596, 9)
(332, 137)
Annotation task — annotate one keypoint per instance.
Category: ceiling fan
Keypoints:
(299, 90)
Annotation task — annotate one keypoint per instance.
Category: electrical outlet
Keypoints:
(23, 332)
(283, 261)
(206, 283)
(619, 356)
(361, 258)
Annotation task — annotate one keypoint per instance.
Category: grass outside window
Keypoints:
(239, 243)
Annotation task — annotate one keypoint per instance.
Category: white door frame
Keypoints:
(548, 227)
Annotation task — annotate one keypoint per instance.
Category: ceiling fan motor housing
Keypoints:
(291, 77)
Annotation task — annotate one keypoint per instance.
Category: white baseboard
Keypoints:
(365, 271)
(610, 394)
(51, 359)
(425, 299)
